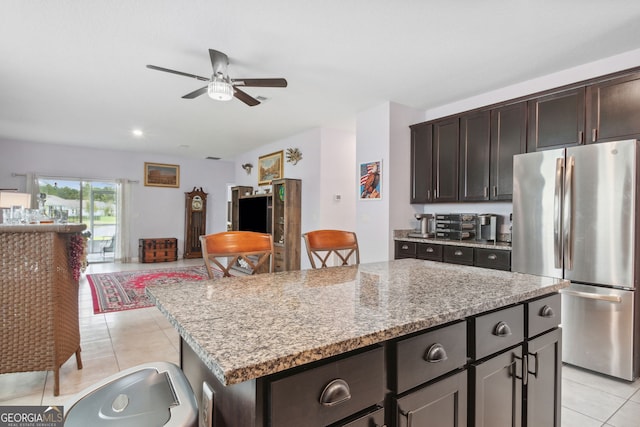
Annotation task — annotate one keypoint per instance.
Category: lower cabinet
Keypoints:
(544, 377)
(441, 404)
(496, 387)
(497, 259)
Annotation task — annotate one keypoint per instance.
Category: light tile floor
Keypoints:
(116, 341)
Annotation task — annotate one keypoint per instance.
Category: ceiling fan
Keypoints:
(220, 86)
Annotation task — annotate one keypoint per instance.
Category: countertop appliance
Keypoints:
(575, 217)
(487, 228)
(426, 226)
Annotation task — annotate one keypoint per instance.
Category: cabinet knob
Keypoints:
(405, 247)
(502, 330)
(436, 353)
(458, 252)
(334, 393)
(429, 249)
(547, 311)
(492, 257)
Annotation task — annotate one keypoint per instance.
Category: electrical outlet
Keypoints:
(206, 406)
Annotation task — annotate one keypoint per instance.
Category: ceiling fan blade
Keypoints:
(245, 97)
(180, 73)
(219, 62)
(260, 82)
(196, 93)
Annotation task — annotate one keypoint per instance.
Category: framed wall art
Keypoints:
(161, 175)
(270, 167)
(371, 180)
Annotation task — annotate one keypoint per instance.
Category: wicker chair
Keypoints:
(253, 249)
(322, 243)
(38, 302)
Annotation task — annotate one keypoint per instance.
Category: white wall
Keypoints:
(155, 211)
(327, 168)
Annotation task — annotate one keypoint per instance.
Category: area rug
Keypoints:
(125, 290)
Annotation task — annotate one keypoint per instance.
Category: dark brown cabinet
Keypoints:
(497, 259)
(556, 120)
(508, 138)
(613, 109)
(421, 163)
(475, 144)
(445, 160)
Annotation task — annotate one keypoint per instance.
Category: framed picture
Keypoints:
(270, 168)
(161, 175)
(371, 180)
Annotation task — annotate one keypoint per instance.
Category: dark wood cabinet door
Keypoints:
(421, 163)
(544, 379)
(442, 404)
(474, 156)
(446, 135)
(508, 138)
(497, 386)
(556, 120)
(613, 109)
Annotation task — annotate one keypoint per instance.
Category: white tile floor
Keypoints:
(116, 341)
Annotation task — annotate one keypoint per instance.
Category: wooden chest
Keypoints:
(158, 250)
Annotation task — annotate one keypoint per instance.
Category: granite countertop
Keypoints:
(248, 327)
(503, 246)
(42, 228)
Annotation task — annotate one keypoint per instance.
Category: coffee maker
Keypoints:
(487, 228)
(426, 226)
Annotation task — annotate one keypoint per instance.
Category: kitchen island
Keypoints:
(262, 342)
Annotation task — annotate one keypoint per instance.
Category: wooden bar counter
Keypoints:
(38, 298)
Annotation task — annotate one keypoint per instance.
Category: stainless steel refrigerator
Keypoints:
(575, 217)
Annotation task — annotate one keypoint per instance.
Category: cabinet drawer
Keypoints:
(543, 314)
(458, 255)
(496, 259)
(405, 249)
(496, 331)
(429, 251)
(427, 356)
(374, 418)
(346, 386)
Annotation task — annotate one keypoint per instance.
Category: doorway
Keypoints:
(90, 202)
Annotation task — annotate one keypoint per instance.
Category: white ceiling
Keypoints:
(73, 71)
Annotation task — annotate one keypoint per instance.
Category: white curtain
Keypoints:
(122, 247)
(33, 188)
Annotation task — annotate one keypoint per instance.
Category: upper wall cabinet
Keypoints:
(421, 163)
(613, 109)
(508, 138)
(445, 159)
(556, 120)
(474, 156)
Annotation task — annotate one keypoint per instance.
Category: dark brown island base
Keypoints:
(400, 343)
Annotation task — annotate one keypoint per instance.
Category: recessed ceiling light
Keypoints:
(137, 133)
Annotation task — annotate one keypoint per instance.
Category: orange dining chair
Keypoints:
(322, 243)
(252, 250)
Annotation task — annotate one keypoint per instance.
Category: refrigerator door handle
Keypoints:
(587, 295)
(557, 209)
(567, 212)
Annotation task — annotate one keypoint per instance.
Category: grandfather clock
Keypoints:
(195, 222)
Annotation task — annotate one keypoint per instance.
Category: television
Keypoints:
(254, 214)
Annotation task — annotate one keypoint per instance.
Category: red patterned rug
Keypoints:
(125, 290)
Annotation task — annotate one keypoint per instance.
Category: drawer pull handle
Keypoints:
(547, 311)
(492, 257)
(458, 253)
(502, 330)
(336, 392)
(435, 353)
(430, 249)
(405, 247)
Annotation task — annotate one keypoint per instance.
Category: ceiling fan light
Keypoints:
(220, 89)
